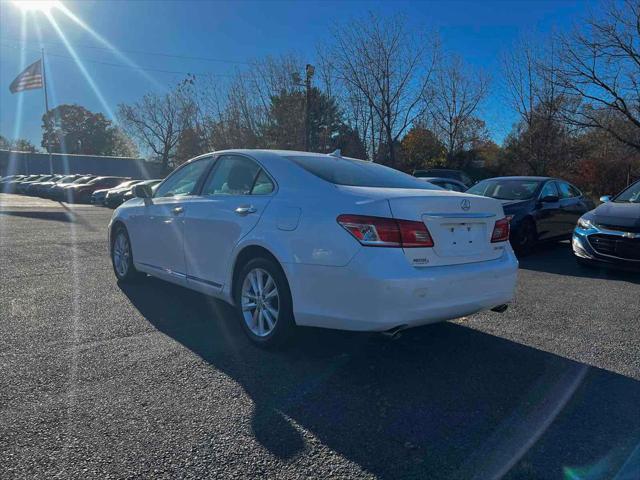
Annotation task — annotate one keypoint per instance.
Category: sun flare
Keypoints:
(37, 5)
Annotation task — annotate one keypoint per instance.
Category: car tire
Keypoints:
(122, 257)
(525, 238)
(266, 318)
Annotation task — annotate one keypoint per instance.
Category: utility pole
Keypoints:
(310, 70)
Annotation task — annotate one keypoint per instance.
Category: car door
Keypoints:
(230, 204)
(158, 231)
(548, 215)
(572, 206)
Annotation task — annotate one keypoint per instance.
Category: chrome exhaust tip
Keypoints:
(500, 308)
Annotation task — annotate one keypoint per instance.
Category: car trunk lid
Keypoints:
(460, 224)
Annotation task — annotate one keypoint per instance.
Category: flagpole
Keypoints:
(46, 108)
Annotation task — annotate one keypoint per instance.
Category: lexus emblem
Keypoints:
(465, 204)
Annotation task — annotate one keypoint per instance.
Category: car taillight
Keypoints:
(386, 232)
(500, 231)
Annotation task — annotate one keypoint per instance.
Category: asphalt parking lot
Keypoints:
(98, 381)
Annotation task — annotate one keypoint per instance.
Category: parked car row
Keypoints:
(74, 188)
(114, 197)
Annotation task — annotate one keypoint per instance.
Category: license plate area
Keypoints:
(461, 238)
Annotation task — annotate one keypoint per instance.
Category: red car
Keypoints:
(81, 193)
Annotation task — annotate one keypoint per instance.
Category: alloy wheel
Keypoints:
(121, 254)
(260, 302)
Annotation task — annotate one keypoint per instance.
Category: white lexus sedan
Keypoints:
(294, 238)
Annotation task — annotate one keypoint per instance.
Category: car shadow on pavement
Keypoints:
(558, 258)
(442, 401)
(66, 216)
(56, 216)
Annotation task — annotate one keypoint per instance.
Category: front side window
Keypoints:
(232, 175)
(183, 181)
(630, 195)
(566, 191)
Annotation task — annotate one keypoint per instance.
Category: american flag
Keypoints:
(29, 79)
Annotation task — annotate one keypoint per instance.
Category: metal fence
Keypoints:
(13, 163)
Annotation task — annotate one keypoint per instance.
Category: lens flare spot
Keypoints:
(37, 5)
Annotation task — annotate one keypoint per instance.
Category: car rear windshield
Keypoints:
(506, 189)
(358, 173)
(630, 195)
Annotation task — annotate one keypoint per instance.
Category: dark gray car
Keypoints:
(610, 233)
(539, 209)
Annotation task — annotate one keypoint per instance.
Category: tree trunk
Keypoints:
(165, 161)
(391, 146)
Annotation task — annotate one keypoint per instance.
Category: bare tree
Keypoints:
(233, 117)
(272, 76)
(522, 79)
(158, 120)
(236, 114)
(386, 68)
(454, 99)
(530, 73)
(600, 69)
(357, 111)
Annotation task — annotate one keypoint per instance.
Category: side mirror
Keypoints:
(549, 199)
(605, 198)
(142, 191)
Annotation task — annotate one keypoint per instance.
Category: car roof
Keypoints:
(441, 179)
(261, 153)
(523, 177)
(439, 169)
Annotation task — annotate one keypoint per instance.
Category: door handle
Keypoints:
(245, 210)
(177, 210)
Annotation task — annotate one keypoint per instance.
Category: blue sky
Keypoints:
(479, 31)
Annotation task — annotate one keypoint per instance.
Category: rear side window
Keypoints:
(575, 191)
(358, 173)
(262, 185)
(549, 190)
(568, 191)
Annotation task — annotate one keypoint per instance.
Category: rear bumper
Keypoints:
(379, 290)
